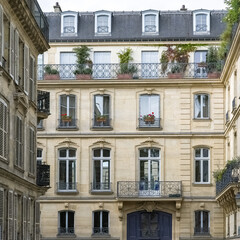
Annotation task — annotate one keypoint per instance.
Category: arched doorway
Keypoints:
(144, 225)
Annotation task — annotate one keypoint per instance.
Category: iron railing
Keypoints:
(63, 230)
(63, 186)
(150, 28)
(100, 186)
(43, 175)
(160, 189)
(69, 29)
(149, 124)
(101, 122)
(136, 70)
(43, 101)
(201, 27)
(100, 230)
(201, 230)
(230, 175)
(102, 29)
(234, 105)
(70, 123)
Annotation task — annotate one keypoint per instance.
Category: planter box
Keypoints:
(125, 76)
(214, 75)
(175, 75)
(83, 76)
(51, 77)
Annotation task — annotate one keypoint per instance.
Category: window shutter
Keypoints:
(26, 69)
(2, 206)
(24, 218)
(11, 55)
(1, 35)
(28, 217)
(10, 215)
(3, 129)
(37, 221)
(16, 59)
(32, 151)
(15, 216)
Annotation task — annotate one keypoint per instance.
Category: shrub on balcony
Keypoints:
(51, 73)
(213, 62)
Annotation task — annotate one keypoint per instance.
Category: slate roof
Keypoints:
(127, 26)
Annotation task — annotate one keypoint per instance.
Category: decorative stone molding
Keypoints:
(21, 100)
(149, 90)
(101, 205)
(67, 143)
(178, 207)
(120, 209)
(101, 143)
(150, 143)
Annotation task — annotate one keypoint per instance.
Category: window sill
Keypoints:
(73, 128)
(201, 33)
(105, 128)
(202, 119)
(4, 160)
(31, 175)
(147, 128)
(101, 235)
(19, 168)
(103, 34)
(67, 192)
(66, 235)
(68, 34)
(101, 192)
(202, 184)
(150, 33)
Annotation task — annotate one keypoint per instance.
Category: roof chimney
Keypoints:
(57, 8)
(183, 8)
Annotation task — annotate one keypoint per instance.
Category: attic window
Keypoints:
(69, 24)
(103, 23)
(201, 22)
(150, 21)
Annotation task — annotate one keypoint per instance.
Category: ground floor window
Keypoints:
(202, 222)
(66, 222)
(100, 222)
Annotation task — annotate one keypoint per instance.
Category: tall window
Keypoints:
(201, 106)
(39, 156)
(101, 110)
(202, 222)
(102, 68)
(100, 222)
(67, 169)
(202, 165)
(102, 24)
(149, 159)
(201, 22)
(32, 81)
(66, 222)
(150, 64)
(150, 23)
(19, 142)
(67, 111)
(101, 169)
(32, 156)
(68, 24)
(149, 111)
(3, 129)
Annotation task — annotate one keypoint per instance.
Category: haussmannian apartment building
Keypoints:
(23, 36)
(116, 174)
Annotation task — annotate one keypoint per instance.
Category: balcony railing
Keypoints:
(149, 124)
(201, 27)
(201, 230)
(43, 175)
(70, 123)
(43, 102)
(101, 186)
(230, 175)
(63, 186)
(138, 70)
(138, 189)
(63, 230)
(103, 122)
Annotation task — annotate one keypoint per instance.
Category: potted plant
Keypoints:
(164, 62)
(84, 63)
(51, 73)
(101, 118)
(126, 70)
(149, 118)
(66, 118)
(213, 62)
(176, 71)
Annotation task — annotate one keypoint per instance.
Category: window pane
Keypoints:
(205, 152)
(106, 153)
(63, 104)
(197, 221)
(39, 153)
(72, 153)
(97, 171)
(154, 153)
(205, 171)
(205, 220)
(144, 171)
(154, 171)
(71, 219)
(105, 173)
(62, 171)
(205, 106)
(197, 152)
(96, 219)
(197, 171)
(62, 153)
(154, 105)
(144, 152)
(106, 105)
(197, 106)
(63, 219)
(98, 105)
(71, 169)
(144, 105)
(97, 153)
(104, 219)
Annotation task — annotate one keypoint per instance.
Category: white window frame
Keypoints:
(103, 13)
(70, 14)
(201, 159)
(67, 159)
(201, 105)
(101, 220)
(101, 159)
(150, 12)
(201, 220)
(205, 12)
(4, 130)
(19, 141)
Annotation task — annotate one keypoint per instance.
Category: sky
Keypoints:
(130, 5)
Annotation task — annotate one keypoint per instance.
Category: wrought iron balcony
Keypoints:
(67, 123)
(101, 187)
(234, 105)
(230, 176)
(145, 123)
(43, 175)
(100, 230)
(102, 121)
(150, 28)
(102, 29)
(201, 230)
(63, 231)
(142, 189)
(63, 186)
(137, 70)
(43, 105)
(201, 27)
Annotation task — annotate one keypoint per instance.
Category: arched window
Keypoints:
(67, 169)
(101, 222)
(66, 222)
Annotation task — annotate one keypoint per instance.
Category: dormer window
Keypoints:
(69, 24)
(201, 22)
(102, 23)
(150, 20)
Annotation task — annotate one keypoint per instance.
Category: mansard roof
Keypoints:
(127, 26)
